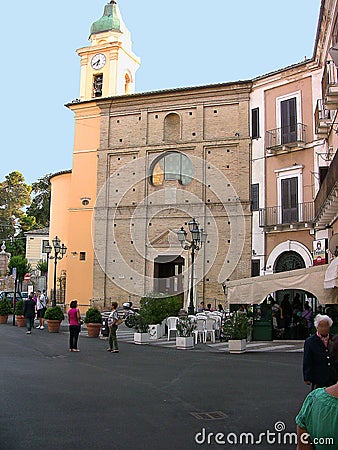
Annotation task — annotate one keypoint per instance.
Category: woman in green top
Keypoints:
(317, 421)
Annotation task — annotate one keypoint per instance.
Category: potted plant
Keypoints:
(5, 310)
(156, 308)
(141, 327)
(20, 319)
(185, 333)
(93, 321)
(54, 316)
(236, 328)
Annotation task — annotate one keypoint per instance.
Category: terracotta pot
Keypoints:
(93, 329)
(3, 319)
(53, 325)
(20, 321)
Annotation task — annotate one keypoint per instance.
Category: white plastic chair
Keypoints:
(210, 325)
(200, 329)
(218, 321)
(201, 314)
(172, 325)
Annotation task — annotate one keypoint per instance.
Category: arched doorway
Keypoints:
(281, 315)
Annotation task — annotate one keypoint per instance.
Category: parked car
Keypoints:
(10, 295)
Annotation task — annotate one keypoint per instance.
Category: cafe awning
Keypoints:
(253, 290)
(331, 275)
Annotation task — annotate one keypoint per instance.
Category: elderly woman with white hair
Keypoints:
(318, 369)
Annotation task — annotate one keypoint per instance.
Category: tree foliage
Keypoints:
(39, 208)
(22, 208)
(42, 265)
(21, 264)
(14, 197)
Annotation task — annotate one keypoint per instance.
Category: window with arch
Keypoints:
(172, 127)
(289, 261)
(171, 166)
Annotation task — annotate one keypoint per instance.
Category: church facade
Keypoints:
(144, 165)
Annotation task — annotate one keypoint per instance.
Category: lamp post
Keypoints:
(198, 238)
(59, 252)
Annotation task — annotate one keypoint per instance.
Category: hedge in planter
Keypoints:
(141, 328)
(156, 307)
(19, 317)
(185, 333)
(54, 316)
(236, 329)
(236, 326)
(5, 310)
(93, 320)
(54, 313)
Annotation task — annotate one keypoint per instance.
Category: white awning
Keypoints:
(253, 290)
(331, 275)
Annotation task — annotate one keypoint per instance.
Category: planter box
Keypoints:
(93, 329)
(155, 331)
(53, 325)
(141, 338)
(184, 343)
(237, 346)
(20, 321)
(3, 319)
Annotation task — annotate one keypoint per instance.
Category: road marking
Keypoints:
(269, 349)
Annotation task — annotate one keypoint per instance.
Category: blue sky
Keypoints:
(186, 43)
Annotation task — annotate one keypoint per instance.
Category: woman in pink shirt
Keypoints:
(74, 318)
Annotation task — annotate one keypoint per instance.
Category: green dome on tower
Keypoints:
(109, 21)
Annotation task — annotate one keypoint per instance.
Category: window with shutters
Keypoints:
(255, 197)
(289, 118)
(288, 121)
(255, 267)
(290, 194)
(255, 123)
(289, 188)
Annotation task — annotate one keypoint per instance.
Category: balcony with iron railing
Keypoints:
(326, 201)
(286, 138)
(279, 217)
(322, 119)
(330, 85)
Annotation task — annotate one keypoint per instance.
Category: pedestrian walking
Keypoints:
(307, 316)
(40, 309)
(318, 416)
(74, 320)
(112, 324)
(317, 365)
(29, 312)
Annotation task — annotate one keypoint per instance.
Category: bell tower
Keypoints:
(108, 64)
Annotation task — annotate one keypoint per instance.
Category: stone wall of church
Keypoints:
(143, 200)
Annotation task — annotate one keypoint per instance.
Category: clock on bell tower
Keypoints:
(108, 64)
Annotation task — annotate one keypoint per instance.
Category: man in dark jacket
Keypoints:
(317, 365)
(29, 312)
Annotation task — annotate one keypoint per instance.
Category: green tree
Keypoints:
(39, 208)
(42, 265)
(14, 197)
(22, 266)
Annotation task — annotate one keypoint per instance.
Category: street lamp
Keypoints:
(198, 238)
(59, 252)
